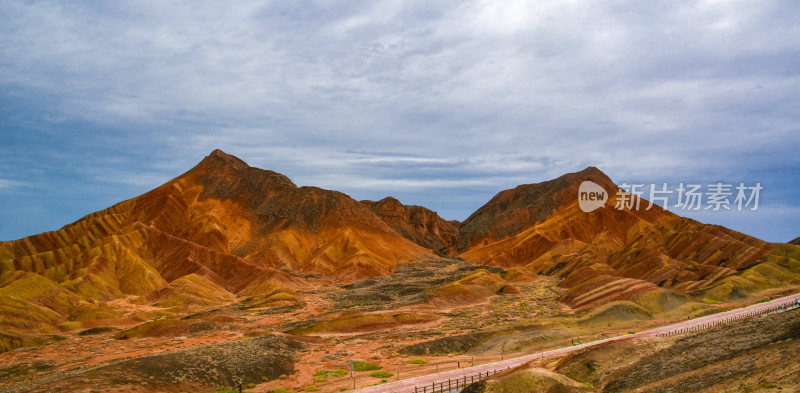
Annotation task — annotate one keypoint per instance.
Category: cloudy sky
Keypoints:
(439, 104)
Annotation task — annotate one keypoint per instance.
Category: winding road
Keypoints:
(409, 385)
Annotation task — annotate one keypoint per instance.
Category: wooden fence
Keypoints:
(451, 384)
(782, 307)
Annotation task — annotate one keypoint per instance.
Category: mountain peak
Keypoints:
(389, 200)
(220, 158)
(515, 209)
(591, 170)
(594, 174)
(221, 172)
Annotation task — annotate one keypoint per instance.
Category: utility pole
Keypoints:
(352, 376)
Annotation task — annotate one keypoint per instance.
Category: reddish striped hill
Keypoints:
(611, 254)
(418, 224)
(219, 231)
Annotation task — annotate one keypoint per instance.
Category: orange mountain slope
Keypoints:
(219, 230)
(225, 231)
(418, 224)
(302, 229)
(610, 254)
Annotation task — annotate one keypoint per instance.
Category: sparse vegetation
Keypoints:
(97, 330)
(536, 301)
(364, 323)
(165, 328)
(417, 361)
(446, 345)
(766, 384)
(311, 388)
(325, 375)
(690, 363)
(410, 284)
(381, 374)
(530, 381)
(364, 366)
(219, 364)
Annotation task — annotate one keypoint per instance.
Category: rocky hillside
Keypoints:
(225, 231)
(418, 224)
(221, 230)
(604, 255)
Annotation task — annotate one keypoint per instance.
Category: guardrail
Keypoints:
(769, 310)
(457, 383)
(452, 385)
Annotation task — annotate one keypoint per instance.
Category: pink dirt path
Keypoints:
(407, 385)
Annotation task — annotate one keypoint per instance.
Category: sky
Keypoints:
(440, 104)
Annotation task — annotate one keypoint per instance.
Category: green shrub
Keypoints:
(766, 384)
(311, 388)
(364, 366)
(324, 375)
(381, 374)
(417, 361)
(279, 390)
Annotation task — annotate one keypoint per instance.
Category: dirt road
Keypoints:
(408, 385)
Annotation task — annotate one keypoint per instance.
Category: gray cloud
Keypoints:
(400, 97)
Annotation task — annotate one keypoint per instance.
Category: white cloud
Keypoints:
(8, 184)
